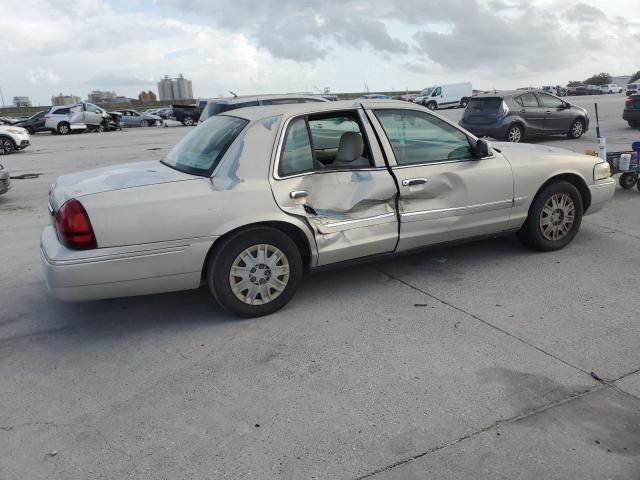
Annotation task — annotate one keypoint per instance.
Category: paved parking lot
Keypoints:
(483, 361)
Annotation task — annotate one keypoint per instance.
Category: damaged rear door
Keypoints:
(328, 172)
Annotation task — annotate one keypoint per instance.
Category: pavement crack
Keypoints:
(497, 423)
(487, 323)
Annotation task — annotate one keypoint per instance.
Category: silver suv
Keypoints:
(220, 105)
(79, 117)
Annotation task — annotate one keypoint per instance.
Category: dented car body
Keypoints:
(252, 198)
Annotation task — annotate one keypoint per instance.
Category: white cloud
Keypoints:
(294, 45)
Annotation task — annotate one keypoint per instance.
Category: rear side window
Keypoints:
(527, 100)
(297, 156)
(61, 111)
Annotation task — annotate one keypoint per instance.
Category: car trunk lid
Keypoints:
(130, 175)
(482, 111)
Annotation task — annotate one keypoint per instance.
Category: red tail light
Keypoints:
(628, 102)
(73, 226)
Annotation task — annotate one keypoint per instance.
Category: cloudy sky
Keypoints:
(274, 46)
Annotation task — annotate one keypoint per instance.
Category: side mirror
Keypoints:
(483, 148)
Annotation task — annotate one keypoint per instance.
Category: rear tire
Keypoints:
(63, 128)
(628, 180)
(188, 121)
(577, 129)
(633, 123)
(144, 123)
(6, 146)
(515, 133)
(254, 272)
(554, 217)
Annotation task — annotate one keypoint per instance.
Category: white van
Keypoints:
(443, 96)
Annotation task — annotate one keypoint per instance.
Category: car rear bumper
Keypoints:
(73, 275)
(495, 130)
(631, 115)
(601, 193)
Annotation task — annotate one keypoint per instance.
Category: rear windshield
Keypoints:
(200, 151)
(483, 105)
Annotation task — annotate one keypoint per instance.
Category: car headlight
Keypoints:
(17, 131)
(601, 171)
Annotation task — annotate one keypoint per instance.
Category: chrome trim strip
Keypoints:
(347, 222)
(462, 210)
(112, 257)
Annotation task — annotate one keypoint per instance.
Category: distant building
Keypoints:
(175, 88)
(64, 100)
(21, 101)
(147, 96)
(102, 96)
(622, 80)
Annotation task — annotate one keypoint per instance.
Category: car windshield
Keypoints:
(200, 151)
(426, 92)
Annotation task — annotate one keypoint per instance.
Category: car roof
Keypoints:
(503, 93)
(249, 98)
(293, 109)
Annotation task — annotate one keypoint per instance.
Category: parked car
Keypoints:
(189, 114)
(631, 112)
(587, 90)
(253, 198)
(13, 138)
(219, 105)
(611, 88)
(516, 115)
(133, 118)
(113, 122)
(442, 96)
(5, 180)
(633, 88)
(571, 91)
(34, 124)
(78, 117)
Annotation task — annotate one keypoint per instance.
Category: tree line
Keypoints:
(600, 79)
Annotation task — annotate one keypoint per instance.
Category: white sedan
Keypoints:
(254, 198)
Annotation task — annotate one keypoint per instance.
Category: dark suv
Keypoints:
(631, 112)
(514, 115)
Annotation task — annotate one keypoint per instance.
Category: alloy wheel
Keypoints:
(6, 147)
(557, 216)
(577, 129)
(515, 134)
(259, 274)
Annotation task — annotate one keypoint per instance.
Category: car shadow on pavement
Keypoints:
(34, 313)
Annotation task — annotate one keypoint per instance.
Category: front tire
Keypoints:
(554, 217)
(432, 106)
(64, 128)
(515, 133)
(628, 180)
(6, 146)
(254, 272)
(144, 123)
(577, 129)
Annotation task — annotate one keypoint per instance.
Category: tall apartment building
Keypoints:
(64, 100)
(175, 88)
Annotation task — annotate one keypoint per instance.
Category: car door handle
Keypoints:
(408, 182)
(548, 112)
(299, 194)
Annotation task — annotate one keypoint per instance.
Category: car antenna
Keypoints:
(234, 95)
